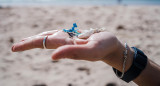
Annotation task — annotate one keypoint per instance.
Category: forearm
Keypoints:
(149, 76)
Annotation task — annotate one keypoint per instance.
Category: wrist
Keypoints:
(138, 65)
(117, 57)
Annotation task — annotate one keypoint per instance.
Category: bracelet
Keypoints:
(138, 65)
(124, 62)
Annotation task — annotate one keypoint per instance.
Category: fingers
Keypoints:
(78, 52)
(47, 33)
(37, 42)
(28, 44)
(32, 42)
(52, 42)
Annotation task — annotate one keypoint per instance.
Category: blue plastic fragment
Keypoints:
(72, 32)
(74, 25)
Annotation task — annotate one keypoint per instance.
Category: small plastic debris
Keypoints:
(72, 32)
(84, 34)
(88, 33)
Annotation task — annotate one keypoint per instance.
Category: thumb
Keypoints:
(78, 52)
(80, 41)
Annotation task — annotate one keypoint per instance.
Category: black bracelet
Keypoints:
(138, 65)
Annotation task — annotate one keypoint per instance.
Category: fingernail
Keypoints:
(81, 41)
(22, 40)
(54, 59)
(13, 48)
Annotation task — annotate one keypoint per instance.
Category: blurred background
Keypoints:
(136, 22)
(79, 2)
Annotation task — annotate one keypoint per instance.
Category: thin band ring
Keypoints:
(44, 42)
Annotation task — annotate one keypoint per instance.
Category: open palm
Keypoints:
(94, 48)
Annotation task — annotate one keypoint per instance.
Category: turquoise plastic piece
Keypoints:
(72, 32)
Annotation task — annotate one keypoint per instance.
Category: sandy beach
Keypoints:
(137, 25)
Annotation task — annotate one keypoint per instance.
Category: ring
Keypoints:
(44, 42)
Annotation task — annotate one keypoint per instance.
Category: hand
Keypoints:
(55, 39)
(97, 47)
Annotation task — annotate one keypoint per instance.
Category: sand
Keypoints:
(137, 25)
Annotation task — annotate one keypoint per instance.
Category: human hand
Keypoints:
(55, 39)
(97, 47)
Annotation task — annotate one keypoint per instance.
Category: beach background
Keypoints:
(136, 24)
(79, 2)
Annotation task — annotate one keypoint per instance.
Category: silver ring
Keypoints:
(44, 42)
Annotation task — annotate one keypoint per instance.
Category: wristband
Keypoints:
(138, 65)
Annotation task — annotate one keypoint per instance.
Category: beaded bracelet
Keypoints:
(124, 62)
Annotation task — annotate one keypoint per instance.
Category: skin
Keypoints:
(103, 46)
